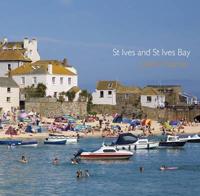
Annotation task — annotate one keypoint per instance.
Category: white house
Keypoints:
(55, 75)
(152, 98)
(15, 54)
(105, 93)
(9, 94)
(113, 93)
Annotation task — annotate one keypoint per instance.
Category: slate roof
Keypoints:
(8, 82)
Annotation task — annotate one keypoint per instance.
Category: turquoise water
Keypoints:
(113, 178)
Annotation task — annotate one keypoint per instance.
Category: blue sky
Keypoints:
(86, 31)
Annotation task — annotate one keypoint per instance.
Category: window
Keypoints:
(148, 99)
(8, 90)
(109, 150)
(109, 92)
(69, 81)
(61, 80)
(101, 94)
(8, 99)
(55, 94)
(34, 80)
(22, 80)
(53, 80)
(9, 67)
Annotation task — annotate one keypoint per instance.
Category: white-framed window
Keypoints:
(109, 92)
(53, 80)
(69, 81)
(34, 80)
(8, 99)
(61, 80)
(22, 80)
(8, 90)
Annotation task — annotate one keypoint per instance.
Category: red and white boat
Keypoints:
(106, 153)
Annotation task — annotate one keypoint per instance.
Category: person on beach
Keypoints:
(23, 159)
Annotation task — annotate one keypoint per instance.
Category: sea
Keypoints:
(107, 178)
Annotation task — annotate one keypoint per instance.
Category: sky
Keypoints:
(87, 32)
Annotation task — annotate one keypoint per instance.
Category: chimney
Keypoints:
(26, 42)
(5, 40)
(65, 63)
(50, 68)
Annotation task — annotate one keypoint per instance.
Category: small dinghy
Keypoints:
(10, 142)
(55, 140)
(29, 143)
(163, 168)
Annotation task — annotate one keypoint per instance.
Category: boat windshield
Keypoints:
(126, 138)
(109, 150)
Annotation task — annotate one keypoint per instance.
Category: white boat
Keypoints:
(172, 141)
(105, 153)
(72, 139)
(29, 143)
(128, 141)
(55, 140)
(191, 138)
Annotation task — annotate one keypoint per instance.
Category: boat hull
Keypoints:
(10, 142)
(29, 144)
(172, 144)
(138, 146)
(193, 140)
(105, 157)
(61, 142)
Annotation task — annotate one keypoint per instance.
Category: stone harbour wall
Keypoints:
(51, 107)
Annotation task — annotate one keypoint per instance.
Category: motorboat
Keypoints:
(70, 139)
(105, 153)
(128, 141)
(10, 142)
(56, 140)
(29, 143)
(191, 138)
(172, 141)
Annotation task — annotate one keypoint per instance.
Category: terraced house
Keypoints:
(9, 94)
(57, 76)
(15, 54)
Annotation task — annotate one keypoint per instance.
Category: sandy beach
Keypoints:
(96, 131)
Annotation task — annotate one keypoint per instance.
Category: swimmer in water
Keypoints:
(55, 161)
(86, 174)
(23, 159)
(141, 169)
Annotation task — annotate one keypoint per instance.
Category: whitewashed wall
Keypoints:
(47, 81)
(156, 101)
(107, 99)
(14, 98)
(4, 66)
